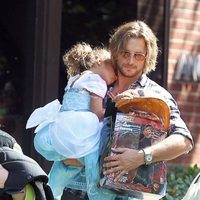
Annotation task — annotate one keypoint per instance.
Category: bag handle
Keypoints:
(196, 179)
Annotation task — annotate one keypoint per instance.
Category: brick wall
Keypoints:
(185, 38)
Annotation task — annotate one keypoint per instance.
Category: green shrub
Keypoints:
(179, 179)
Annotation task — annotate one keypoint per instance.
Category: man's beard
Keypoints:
(125, 73)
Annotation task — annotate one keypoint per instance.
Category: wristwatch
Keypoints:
(148, 158)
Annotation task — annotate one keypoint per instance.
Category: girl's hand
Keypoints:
(128, 94)
(111, 95)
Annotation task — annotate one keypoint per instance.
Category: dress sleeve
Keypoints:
(70, 81)
(93, 83)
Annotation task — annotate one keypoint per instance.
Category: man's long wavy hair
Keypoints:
(135, 29)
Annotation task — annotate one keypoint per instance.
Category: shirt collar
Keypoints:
(141, 81)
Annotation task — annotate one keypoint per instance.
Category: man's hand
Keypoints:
(124, 161)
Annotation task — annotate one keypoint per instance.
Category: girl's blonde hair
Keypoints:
(135, 29)
(82, 57)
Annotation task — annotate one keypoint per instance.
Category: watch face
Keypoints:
(149, 158)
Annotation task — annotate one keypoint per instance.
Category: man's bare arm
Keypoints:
(129, 159)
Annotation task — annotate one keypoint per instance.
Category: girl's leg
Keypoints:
(92, 177)
(59, 176)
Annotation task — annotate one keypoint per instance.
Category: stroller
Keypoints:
(23, 172)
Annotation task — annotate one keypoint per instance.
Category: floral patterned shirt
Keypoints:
(145, 85)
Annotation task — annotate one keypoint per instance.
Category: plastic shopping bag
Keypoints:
(193, 192)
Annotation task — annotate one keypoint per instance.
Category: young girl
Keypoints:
(72, 130)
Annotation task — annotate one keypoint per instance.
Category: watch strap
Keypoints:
(148, 158)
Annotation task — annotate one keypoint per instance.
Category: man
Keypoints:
(134, 52)
(21, 178)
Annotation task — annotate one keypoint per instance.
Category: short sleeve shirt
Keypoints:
(145, 85)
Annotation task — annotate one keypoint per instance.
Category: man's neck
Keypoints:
(123, 84)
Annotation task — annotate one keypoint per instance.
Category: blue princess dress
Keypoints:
(71, 130)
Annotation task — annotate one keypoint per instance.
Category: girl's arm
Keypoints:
(96, 106)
